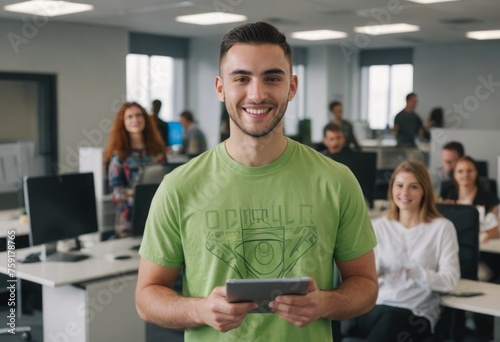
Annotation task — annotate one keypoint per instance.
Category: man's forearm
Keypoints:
(355, 296)
(163, 306)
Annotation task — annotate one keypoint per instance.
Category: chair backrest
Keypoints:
(143, 196)
(466, 221)
(482, 168)
(364, 167)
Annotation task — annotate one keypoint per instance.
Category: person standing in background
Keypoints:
(435, 121)
(407, 124)
(350, 139)
(160, 124)
(193, 141)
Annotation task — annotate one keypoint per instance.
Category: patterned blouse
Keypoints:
(122, 180)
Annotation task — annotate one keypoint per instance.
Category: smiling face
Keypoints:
(134, 120)
(256, 84)
(465, 173)
(407, 192)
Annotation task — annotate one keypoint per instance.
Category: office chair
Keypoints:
(466, 221)
(482, 168)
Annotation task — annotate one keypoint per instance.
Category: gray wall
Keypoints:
(89, 62)
(19, 113)
(452, 76)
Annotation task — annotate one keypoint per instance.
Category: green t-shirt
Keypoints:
(224, 220)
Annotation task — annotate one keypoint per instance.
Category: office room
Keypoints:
(64, 78)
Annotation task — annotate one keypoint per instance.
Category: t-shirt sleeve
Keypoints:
(162, 242)
(355, 235)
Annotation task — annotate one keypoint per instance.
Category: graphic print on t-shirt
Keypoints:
(258, 245)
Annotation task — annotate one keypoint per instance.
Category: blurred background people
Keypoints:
(134, 141)
(436, 120)
(160, 124)
(350, 139)
(407, 124)
(193, 140)
(467, 189)
(450, 153)
(333, 140)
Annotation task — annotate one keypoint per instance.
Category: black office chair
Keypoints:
(466, 221)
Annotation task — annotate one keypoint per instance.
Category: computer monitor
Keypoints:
(174, 138)
(364, 167)
(60, 207)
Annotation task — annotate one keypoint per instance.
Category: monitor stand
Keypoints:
(50, 253)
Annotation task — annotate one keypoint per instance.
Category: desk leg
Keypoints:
(496, 330)
(98, 311)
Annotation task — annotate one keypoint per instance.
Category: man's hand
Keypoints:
(300, 310)
(221, 315)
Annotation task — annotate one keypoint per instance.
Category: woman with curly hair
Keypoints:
(134, 141)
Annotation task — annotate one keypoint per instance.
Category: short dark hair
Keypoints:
(255, 33)
(333, 104)
(409, 96)
(455, 146)
(187, 115)
(331, 127)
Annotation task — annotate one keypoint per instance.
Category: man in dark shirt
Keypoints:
(407, 124)
(334, 140)
(160, 124)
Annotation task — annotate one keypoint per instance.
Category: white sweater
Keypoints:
(414, 263)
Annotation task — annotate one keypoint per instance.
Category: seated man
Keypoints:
(450, 153)
(334, 140)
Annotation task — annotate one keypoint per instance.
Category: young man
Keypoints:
(450, 153)
(258, 205)
(334, 140)
(407, 124)
(336, 109)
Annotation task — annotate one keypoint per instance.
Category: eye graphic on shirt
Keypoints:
(261, 249)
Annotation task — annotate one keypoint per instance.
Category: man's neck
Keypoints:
(408, 110)
(255, 152)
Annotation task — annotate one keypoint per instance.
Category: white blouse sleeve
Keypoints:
(447, 275)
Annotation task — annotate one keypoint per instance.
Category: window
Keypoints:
(296, 108)
(154, 77)
(384, 90)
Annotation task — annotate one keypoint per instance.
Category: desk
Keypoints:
(488, 304)
(492, 246)
(84, 301)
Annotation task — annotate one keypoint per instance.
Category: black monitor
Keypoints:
(364, 167)
(60, 207)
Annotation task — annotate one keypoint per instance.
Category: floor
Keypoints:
(153, 333)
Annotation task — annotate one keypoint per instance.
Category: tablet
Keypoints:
(262, 291)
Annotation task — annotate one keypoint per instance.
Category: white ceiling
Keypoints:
(438, 22)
